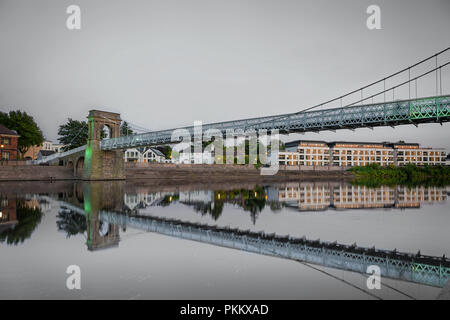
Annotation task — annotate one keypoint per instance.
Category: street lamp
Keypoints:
(1, 151)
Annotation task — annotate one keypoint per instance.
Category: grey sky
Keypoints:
(163, 64)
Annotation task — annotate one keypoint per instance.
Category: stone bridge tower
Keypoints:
(101, 164)
(98, 196)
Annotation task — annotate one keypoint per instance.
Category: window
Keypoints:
(5, 155)
(6, 141)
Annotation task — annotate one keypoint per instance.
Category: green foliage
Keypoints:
(374, 175)
(26, 127)
(28, 219)
(125, 129)
(73, 134)
(166, 150)
(72, 223)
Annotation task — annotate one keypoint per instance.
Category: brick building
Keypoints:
(8, 143)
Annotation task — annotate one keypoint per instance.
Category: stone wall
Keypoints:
(38, 173)
(180, 173)
(172, 173)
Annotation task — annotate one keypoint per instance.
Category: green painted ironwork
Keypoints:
(394, 113)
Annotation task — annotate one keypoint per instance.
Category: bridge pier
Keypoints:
(99, 196)
(101, 164)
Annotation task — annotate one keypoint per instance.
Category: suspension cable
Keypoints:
(362, 100)
(340, 279)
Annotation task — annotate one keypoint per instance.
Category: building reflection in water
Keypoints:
(324, 196)
(205, 202)
(100, 211)
(20, 216)
(303, 196)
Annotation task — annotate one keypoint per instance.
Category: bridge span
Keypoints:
(103, 159)
(395, 113)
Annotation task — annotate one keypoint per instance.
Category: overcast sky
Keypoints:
(164, 64)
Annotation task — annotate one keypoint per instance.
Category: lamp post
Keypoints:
(1, 152)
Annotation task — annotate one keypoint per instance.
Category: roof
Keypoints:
(402, 143)
(333, 143)
(297, 142)
(46, 153)
(157, 152)
(6, 131)
(359, 142)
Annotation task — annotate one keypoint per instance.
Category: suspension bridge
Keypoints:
(364, 111)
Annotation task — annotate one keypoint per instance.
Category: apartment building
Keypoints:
(306, 153)
(343, 153)
(361, 153)
(412, 153)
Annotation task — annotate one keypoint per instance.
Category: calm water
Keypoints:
(45, 227)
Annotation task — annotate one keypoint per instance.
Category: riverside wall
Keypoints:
(176, 173)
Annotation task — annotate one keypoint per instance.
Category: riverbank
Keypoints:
(375, 175)
(179, 173)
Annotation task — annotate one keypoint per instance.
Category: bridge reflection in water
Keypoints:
(108, 208)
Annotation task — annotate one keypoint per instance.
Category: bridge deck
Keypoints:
(415, 111)
(423, 110)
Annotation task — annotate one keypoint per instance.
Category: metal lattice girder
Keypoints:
(433, 109)
(427, 270)
(58, 155)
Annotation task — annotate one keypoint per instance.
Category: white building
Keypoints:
(204, 196)
(194, 158)
(144, 155)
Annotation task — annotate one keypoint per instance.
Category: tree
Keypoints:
(26, 127)
(166, 150)
(73, 134)
(125, 129)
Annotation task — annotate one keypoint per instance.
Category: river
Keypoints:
(46, 227)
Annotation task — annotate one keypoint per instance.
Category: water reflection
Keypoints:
(21, 213)
(305, 196)
(18, 218)
(323, 196)
(100, 211)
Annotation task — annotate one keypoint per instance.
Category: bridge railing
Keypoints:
(434, 109)
(58, 155)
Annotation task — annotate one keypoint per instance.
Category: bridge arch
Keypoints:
(79, 167)
(106, 131)
(102, 122)
(79, 195)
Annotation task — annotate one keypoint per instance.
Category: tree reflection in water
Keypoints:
(253, 201)
(28, 218)
(71, 222)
